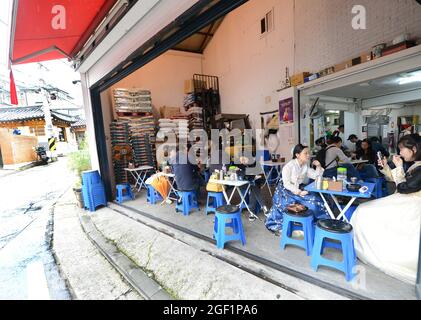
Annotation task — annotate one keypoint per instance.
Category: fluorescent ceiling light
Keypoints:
(410, 78)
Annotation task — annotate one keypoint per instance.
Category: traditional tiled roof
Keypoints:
(80, 123)
(14, 114)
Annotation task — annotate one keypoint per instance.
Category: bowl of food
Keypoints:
(353, 187)
(297, 208)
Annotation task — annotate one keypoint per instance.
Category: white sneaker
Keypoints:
(298, 234)
(265, 211)
(252, 218)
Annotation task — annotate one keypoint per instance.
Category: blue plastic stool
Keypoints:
(124, 192)
(153, 196)
(339, 231)
(188, 202)
(215, 200)
(222, 216)
(306, 220)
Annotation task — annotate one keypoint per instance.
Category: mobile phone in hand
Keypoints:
(380, 158)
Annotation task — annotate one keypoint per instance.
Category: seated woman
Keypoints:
(290, 189)
(367, 170)
(387, 231)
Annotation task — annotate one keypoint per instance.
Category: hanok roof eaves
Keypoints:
(31, 113)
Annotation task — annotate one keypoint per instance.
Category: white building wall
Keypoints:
(250, 67)
(324, 35)
(164, 77)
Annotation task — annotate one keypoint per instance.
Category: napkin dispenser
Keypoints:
(335, 186)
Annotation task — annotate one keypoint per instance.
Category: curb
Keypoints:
(134, 275)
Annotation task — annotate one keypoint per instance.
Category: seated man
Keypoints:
(335, 157)
(255, 195)
(187, 176)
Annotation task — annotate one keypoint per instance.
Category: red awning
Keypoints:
(52, 29)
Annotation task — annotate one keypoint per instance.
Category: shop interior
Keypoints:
(387, 107)
(188, 97)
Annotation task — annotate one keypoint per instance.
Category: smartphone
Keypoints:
(379, 156)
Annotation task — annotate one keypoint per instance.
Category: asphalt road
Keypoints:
(27, 267)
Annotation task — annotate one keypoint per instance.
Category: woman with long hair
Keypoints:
(387, 231)
(290, 190)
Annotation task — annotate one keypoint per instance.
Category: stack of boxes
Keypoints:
(132, 101)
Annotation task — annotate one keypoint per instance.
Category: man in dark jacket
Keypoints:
(187, 176)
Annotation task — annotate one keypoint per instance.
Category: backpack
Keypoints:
(321, 157)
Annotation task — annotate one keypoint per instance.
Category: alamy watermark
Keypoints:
(359, 21)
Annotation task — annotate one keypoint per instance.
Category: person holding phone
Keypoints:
(387, 230)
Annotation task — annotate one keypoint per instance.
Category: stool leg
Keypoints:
(308, 238)
(317, 251)
(241, 230)
(119, 196)
(220, 236)
(349, 262)
(235, 225)
(207, 205)
(285, 233)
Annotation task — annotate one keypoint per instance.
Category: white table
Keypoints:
(171, 180)
(237, 186)
(139, 174)
(273, 166)
(356, 162)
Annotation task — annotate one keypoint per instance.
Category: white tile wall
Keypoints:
(324, 35)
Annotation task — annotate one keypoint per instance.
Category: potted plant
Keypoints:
(79, 162)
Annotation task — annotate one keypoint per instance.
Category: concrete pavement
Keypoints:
(183, 266)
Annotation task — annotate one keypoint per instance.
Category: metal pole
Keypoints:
(418, 284)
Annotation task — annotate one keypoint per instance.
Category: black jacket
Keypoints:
(413, 182)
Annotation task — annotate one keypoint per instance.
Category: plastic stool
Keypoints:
(306, 220)
(124, 192)
(188, 202)
(93, 190)
(222, 215)
(152, 195)
(339, 231)
(215, 200)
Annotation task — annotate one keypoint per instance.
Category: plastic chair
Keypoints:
(215, 200)
(342, 232)
(306, 221)
(188, 202)
(124, 192)
(228, 217)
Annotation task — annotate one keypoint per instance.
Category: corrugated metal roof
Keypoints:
(30, 113)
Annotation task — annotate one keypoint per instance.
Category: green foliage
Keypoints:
(80, 161)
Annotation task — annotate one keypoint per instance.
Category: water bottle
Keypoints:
(342, 175)
(319, 183)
